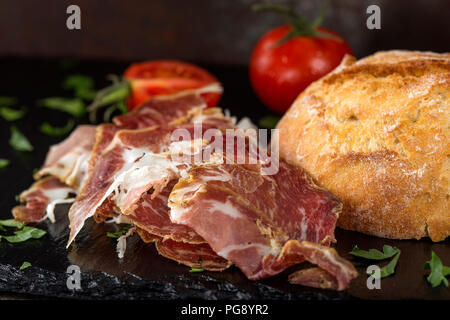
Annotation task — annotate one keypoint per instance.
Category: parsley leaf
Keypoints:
(7, 101)
(4, 163)
(374, 254)
(49, 130)
(11, 223)
(22, 234)
(196, 270)
(269, 122)
(18, 141)
(119, 233)
(438, 271)
(25, 265)
(11, 114)
(73, 106)
(83, 86)
(389, 269)
(25, 234)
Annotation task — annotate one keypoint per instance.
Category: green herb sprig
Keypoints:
(4, 163)
(10, 114)
(22, 232)
(119, 233)
(18, 141)
(268, 122)
(438, 272)
(374, 254)
(72, 106)
(50, 130)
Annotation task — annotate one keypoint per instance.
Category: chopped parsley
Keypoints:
(7, 101)
(18, 141)
(374, 254)
(11, 114)
(269, 122)
(72, 106)
(49, 130)
(82, 86)
(389, 269)
(25, 265)
(4, 163)
(438, 271)
(119, 233)
(22, 232)
(11, 223)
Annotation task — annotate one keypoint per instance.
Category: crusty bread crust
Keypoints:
(376, 133)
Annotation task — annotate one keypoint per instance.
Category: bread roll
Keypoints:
(375, 132)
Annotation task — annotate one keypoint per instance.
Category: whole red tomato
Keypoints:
(279, 72)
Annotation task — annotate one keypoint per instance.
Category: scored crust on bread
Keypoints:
(376, 133)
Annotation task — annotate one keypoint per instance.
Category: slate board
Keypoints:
(143, 274)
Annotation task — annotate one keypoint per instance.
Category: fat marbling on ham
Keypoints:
(207, 214)
(262, 223)
(45, 192)
(70, 161)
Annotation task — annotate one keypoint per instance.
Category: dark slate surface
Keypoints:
(143, 274)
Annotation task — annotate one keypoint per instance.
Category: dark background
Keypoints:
(219, 35)
(205, 31)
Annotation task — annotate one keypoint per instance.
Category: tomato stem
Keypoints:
(113, 94)
(301, 27)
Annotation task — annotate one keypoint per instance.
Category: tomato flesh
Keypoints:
(164, 77)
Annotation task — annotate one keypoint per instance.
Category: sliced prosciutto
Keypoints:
(192, 255)
(159, 111)
(262, 224)
(152, 215)
(45, 192)
(65, 170)
(171, 110)
(72, 160)
(224, 207)
(69, 159)
(134, 162)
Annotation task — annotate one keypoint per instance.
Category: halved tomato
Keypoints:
(163, 77)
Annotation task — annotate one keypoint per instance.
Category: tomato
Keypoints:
(279, 72)
(162, 77)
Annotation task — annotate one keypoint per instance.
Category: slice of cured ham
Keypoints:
(134, 162)
(72, 160)
(262, 224)
(161, 112)
(36, 199)
(152, 215)
(171, 110)
(69, 159)
(192, 255)
(224, 209)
